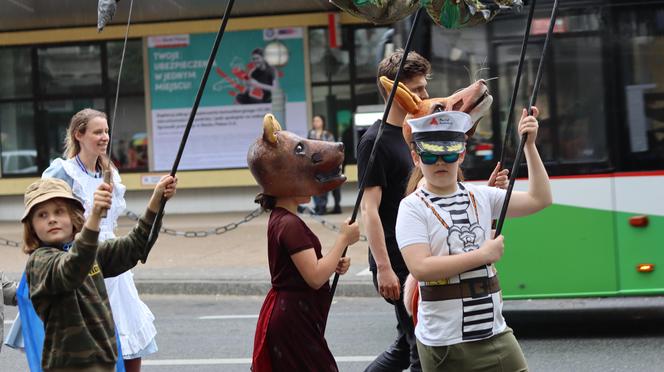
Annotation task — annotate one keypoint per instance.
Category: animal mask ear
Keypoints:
(270, 128)
(409, 101)
(472, 130)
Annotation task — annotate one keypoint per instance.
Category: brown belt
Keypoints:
(473, 288)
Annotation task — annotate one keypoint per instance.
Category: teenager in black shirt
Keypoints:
(384, 188)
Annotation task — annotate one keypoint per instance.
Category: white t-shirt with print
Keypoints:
(468, 212)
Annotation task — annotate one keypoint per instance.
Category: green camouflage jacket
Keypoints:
(8, 297)
(68, 292)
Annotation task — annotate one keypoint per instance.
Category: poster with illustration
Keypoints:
(254, 72)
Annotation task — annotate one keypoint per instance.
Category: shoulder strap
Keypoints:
(435, 213)
(472, 199)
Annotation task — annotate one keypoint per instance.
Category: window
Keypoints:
(54, 117)
(336, 87)
(17, 138)
(67, 69)
(17, 125)
(129, 140)
(581, 117)
(15, 73)
(458, 59)
(327, 64)
(132, 69)
(574, 122)
(68, 78)
(641, 54)
(370, 44)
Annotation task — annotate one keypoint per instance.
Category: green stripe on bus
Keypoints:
(568, 251)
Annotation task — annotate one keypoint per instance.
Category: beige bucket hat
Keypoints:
(47, 189)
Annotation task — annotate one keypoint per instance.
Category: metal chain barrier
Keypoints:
(212, 231)
(234, 225)
(203, 233)
(329, 225)
(9, 243)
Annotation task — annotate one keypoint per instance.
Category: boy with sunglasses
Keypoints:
(444, 232)
(385, 185)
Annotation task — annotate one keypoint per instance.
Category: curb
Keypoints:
(238, 288)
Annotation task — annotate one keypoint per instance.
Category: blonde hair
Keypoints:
(30, 239)
(79, 124)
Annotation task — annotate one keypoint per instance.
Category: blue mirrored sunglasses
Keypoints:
(430, 159)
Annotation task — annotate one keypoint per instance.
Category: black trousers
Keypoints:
(402, 353)
(336, 193)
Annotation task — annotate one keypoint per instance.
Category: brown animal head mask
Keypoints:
(285, 164)
(474, 100)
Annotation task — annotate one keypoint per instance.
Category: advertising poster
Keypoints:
(241, 89)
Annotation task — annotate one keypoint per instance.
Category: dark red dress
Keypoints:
(291, 325)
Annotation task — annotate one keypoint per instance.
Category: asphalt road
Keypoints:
(208, 333)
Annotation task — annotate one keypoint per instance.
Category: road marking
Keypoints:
(224, 317)
(226, 361)
(365, 272)
(9, 322)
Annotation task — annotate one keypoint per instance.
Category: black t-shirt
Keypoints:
(391, 169)
(265, 76)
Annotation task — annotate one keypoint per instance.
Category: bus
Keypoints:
(602, 141)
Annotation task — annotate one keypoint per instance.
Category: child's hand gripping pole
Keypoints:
(103, 197)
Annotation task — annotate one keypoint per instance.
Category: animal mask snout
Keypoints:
(316, 158)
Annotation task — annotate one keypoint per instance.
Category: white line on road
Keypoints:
(215, 317)
(9, 322)
(365, 272)
(222, 361)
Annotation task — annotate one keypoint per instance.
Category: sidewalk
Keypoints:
(232, 263)
(235, 263)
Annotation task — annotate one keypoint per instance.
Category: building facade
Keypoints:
(601, 98)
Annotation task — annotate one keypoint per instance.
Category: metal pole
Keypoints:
(372, 156)
(517, 81)
(192, 115)
(533, 99)
(106, 163)
(117, 89)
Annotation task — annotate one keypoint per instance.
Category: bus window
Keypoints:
(641, 53)
(581, 117)
(459, 58)
(572, 138)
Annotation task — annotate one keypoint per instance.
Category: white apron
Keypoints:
(133, 319)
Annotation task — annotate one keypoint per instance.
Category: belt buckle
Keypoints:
(479, 288)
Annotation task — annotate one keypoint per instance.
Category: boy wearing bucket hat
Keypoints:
(66, 268)
(444, 234)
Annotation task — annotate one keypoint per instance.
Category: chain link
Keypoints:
(212, 231)
(9, 243)
(203, 233)
(327, 224)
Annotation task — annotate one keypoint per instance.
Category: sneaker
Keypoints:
(336, 210)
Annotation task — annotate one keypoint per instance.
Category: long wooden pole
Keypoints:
(192, 115)
(372, 156)
(533, 99)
